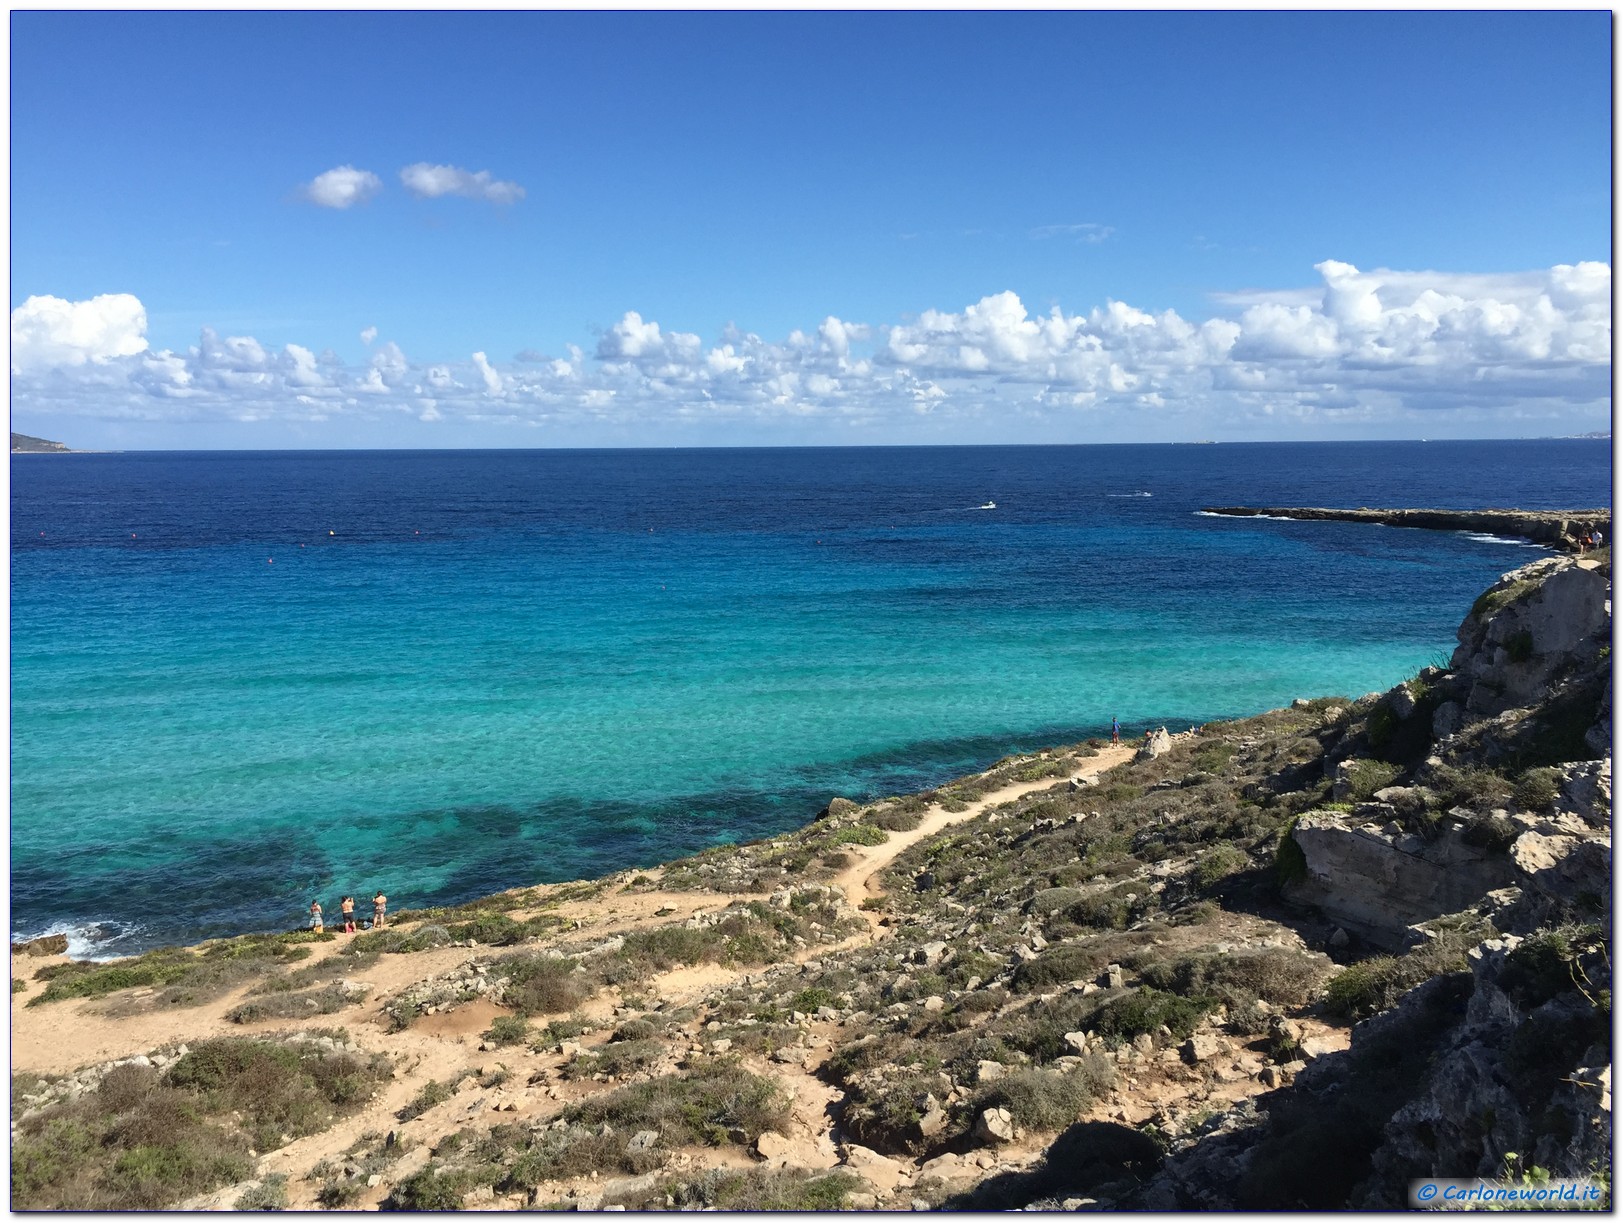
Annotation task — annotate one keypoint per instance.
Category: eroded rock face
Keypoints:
(1531, 626)
(1378, 883)
(1505, 1081)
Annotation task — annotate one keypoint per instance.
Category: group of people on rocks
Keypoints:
(1593, 539)
(346, 908)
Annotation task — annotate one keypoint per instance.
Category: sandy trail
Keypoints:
(65, 1036)
(860, 881)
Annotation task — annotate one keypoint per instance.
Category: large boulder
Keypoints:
(49, 944)
(1156, 743)
(1377, 883)
(995, 1125)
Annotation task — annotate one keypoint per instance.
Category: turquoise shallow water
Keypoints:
(506, 667)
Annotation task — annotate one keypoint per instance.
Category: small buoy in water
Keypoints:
(270, 560)
(332, 532)
(132, 534)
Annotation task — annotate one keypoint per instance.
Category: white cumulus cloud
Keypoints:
(430, 181)
(47, 331)
(342, 187)
(1377, 346)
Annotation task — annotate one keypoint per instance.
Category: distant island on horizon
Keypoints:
(21, 443)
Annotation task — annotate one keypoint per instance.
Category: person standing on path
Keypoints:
(1115, 729)
(347, 908)
(315, 916)
(380, 904)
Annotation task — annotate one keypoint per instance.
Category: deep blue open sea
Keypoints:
(243, 680)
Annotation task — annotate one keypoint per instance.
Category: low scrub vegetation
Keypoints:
(144, 1140)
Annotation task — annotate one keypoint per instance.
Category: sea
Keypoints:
(243, 681)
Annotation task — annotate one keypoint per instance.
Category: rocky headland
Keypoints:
(1284, 962)
(1559, 529)
(22, 443)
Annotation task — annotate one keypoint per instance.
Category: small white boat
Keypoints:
(990, 505)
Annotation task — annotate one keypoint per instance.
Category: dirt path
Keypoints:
(443, 1046)
(860, 880)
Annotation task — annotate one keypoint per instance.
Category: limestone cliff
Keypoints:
(1482, 792)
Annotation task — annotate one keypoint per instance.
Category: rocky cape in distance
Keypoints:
(1560, 529)
(1288, 961)
(21, 443)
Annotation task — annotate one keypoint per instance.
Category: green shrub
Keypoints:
(1371, 985)
(1045, 1099)
(1549, 963)
(705, 1105)
(750, 1190)
(1490, 601)
(1467, 787)
(269, 1194)
(812, 997)
(635, 1029)
(1491, 832)
(325, 1001)
(1365, 777)
(896, 820)
(433, 1092)
(860, 834)
(1275, 974)
(508, 1030)
(671, 946)
(1382, 723)
(543, 984)
(1213, 757)
(1537, 790)
(1105, 911)
(89, 980)
(1117, 792)
(1144, 1011)
(1375, 984)
(392, 940)
(142, 1141)
(1056, 966)
(563, 1029)
(617, 1058)
(432, 1190)
(1218, 865)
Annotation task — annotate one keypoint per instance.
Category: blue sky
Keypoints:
(738, 179)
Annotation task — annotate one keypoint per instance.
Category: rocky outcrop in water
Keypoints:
(1557, 528)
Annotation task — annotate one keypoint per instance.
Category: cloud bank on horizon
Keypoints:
(1382, 345)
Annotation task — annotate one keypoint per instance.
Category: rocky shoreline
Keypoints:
(1284, 962)
(1559, 529)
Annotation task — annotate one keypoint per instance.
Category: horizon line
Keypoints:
(1370, 441)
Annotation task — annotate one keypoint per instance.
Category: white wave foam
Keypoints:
(89, 941)
(1509, 541)
(1269, 517)
(1139, 494)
